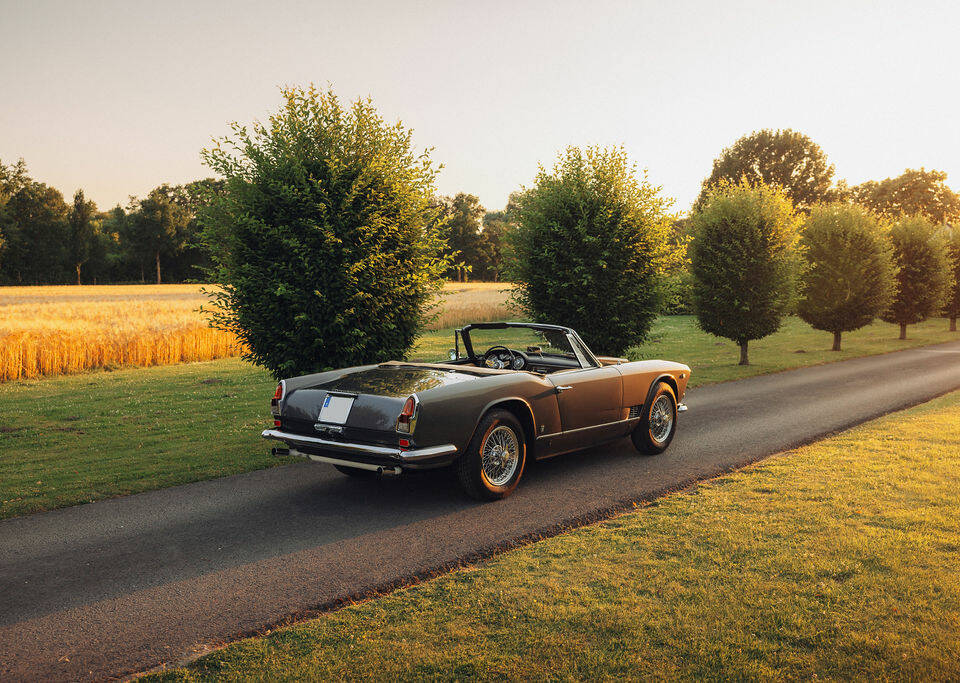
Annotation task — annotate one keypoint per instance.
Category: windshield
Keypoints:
(531, 341)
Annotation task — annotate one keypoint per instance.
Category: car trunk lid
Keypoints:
(378, 395)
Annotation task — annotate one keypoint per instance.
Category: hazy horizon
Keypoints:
(117, 98)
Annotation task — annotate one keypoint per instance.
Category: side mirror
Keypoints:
(452, 354)
(535, 349)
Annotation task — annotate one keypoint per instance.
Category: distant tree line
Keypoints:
(45, 239)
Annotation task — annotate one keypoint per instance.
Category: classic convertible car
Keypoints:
(518, 391)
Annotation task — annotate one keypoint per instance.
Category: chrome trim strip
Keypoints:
(395, 453)
(347, 463)
(581, 429)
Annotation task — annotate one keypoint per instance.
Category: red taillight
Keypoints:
(276, 423)
(404, 443)
(275, 401)
(408, 415)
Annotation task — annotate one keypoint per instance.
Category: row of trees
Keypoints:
(46, 240)
(753, 255)
(329, 241)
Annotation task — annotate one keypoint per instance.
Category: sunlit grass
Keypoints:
(836, 561)
(796, 345)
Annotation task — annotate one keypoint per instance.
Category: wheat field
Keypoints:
(58, 330)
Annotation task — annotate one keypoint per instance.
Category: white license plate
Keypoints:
(335, 409)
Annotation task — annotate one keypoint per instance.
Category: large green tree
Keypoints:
(325, 239)
(952, 309)
(743, 261)
(191, 259)
(463, 219)
(924, 272)
(847, 276)
(785, 158)
(83, 231)
(494, 240)
(591, 245)
(12, 180)
(36, 233)
(914, 192)
(158, 225)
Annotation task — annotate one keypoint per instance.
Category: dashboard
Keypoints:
(503, 358)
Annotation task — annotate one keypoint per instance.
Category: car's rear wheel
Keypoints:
(658, 423)
(355, 472)
(493, 463)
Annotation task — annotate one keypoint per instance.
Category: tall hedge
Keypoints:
(591, 246)
(847, 276)
(325, 241)
(924, 272)
(743, 261)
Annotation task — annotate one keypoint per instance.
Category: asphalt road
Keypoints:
(122, 585)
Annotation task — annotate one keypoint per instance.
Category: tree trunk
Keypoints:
(953, 324)
(903, 330)
(836, 340)
(78, 273)
(744, 359)
(158, 267)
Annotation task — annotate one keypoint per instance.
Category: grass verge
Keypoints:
(837, 561)
(795, 345)
(78, 438)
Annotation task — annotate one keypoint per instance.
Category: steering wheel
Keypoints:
(514, 355)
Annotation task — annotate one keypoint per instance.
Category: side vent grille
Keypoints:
(634, 411)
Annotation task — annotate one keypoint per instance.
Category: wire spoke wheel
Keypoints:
(661, 418)
(500, 455)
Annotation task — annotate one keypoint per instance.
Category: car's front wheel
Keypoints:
(493, 463)
(658, 423)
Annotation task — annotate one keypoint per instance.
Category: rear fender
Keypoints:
(522, 410)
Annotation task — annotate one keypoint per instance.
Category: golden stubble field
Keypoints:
(48, 331)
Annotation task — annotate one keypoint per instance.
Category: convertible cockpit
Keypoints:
(532, 347)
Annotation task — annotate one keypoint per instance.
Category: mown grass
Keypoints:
(74, 439)
(835, 561)
(795, 345)
(79, 438)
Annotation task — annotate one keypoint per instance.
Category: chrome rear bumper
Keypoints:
(380, 457)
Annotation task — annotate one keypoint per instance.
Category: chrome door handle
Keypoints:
(563, 388)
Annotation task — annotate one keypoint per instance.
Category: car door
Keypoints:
(589, 399)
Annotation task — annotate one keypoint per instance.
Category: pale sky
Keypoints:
(118, 97)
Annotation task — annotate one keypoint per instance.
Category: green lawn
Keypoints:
(835, 561)
(68, 440)
(795, 345)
